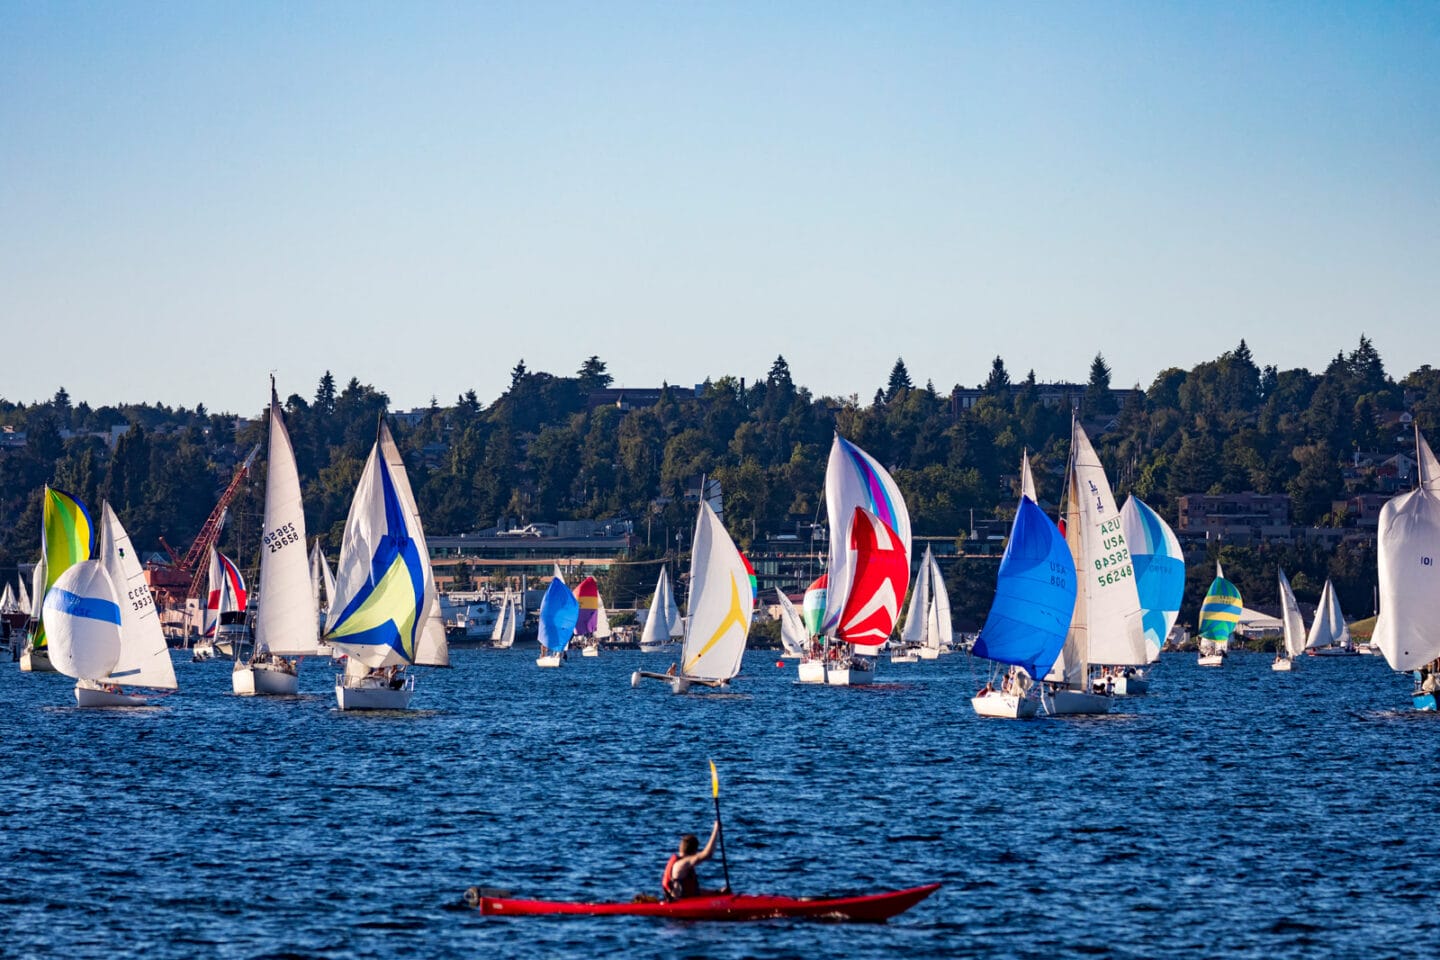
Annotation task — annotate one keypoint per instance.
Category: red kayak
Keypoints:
(872, 908)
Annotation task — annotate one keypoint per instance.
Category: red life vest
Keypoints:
(689, 887)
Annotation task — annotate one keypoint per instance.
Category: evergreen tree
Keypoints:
(899, 380)
(517, 373)
(998, 383)
(1098, 399)
(325, 394)
(592, 375)
(779, 375)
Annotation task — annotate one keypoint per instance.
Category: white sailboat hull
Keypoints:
(549, 660)
(1212, 660)
(264, 679)
(89, 694)
(1005, 706)
(1330, 652)
(908, 656)
(657, 647)
(36, 661)
(812, 671)
(1131, 686)
(1067, 703)
(1285, 665)
(849, 677)
(590, 652)
(928, 653)
(373, 693)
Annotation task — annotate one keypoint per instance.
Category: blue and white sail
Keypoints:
(1034, 596)
(82, 614)
(1159, 570)
(559, 612)
(384, 586)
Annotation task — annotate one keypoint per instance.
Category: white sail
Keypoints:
(37, 590)
(1427, 465)
(144, 659)
(432, 650)
(940, 627)
(1108, 624)
(792, 628)
(287, 615)
(602, 620)
(82, 622)
(1328, 628)
(22, 599)
(664, 616)
(1027, 479)
(497, 632)
(721, 602)
(8, 604)
(1409, 572)
(917, 615)
(1290, 617)
(512, 617)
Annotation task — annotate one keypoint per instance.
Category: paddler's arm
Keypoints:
(710, 845)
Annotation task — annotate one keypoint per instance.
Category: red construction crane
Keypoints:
(192, 568)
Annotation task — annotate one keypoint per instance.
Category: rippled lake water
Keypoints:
(1234, 812)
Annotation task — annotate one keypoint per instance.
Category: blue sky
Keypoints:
(419, 195)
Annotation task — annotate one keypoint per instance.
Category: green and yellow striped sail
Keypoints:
(67, 539)
(1220, 613)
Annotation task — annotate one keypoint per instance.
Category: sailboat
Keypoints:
(792, 628)
(1219, 615)
(66, 539)
(322, 588)
(226, 600)
(503, 635)
(912, 638)
(432, 649)
(285, 624)
(1107, 627)
(1030, 618)
(1159, 581)
(593, 624)
(937, 633)
(1329, 636)
(384, 589)
(663, 624)
(856, 484)
(559, 612)
(719, 610)
(812, 657)
(1409, 580)
(1294, 641)
(102, 625)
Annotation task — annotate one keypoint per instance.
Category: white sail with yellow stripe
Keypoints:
(721, 603)
(384, 587)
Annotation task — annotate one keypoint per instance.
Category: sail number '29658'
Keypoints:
(281, 536)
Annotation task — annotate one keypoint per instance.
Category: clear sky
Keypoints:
(419, 195)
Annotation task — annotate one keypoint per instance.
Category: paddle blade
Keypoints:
(714, 781)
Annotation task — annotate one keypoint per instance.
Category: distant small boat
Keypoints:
(1219, 615)
(559, 611)
(503, 634)
(792, 628)
(1329, 636)
(663, 624)
(1293, 642)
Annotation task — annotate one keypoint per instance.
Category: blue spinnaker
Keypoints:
(1034, 596)
(1159, 569)
(559, 611)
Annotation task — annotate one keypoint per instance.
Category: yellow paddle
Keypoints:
(715, 790)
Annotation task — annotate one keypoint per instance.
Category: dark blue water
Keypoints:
(1235, 812)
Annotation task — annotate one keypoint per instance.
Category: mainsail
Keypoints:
(1328, 628)
(144, 659)
(384, 586)
(1290, 617)
(917, 614)
(1159, 570)
(721, 602)
(792, 628)
(939, 629)
(1034, 596)
(287, 615)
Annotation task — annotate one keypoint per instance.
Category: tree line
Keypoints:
(541, 451)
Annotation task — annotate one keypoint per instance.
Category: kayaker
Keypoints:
(680, 880)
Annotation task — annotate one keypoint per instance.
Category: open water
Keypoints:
(1233, 813)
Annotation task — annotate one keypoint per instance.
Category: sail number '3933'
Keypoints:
(281, 536)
